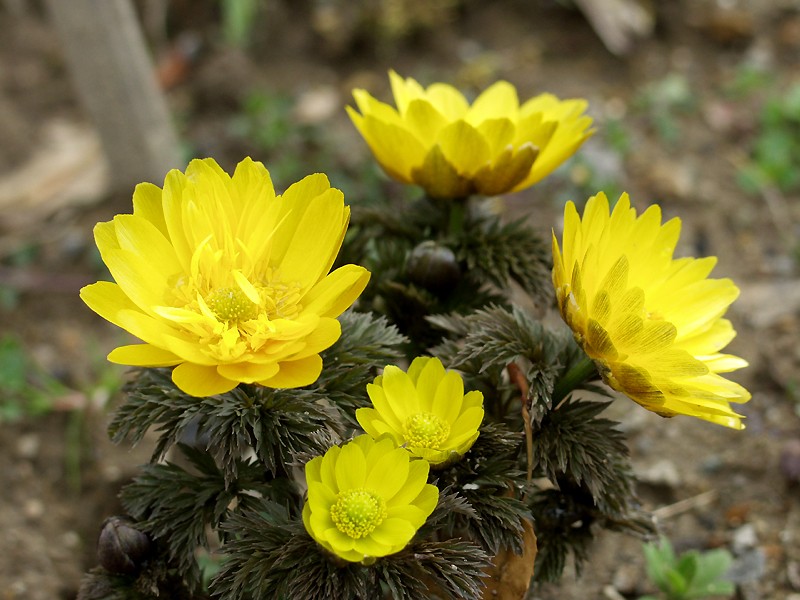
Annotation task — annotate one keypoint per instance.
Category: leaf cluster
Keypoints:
(486, 480)
(436, 257)
(582, 454)
(276, 424)
(484, 343)
(176, 505)
(689, 576)
(272, 556)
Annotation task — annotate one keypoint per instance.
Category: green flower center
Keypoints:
(358, 512)
(426, 430)
(231, 304)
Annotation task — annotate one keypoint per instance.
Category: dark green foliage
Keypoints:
(584, 455)
(500, 253)
(156, 582)
(484, 343)
(487, 478)
(368, 343)
(586, 458)
(443, 256)
(272, 556)
(277, 424)
(563, 520)
(175, 505)
(571, 439)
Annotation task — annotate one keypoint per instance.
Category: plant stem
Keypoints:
(458, 207)
(581, 372)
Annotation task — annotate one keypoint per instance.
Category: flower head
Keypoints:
(367, 499)
(437, 140)
(652, 324)
(225, 280)
(424, 410)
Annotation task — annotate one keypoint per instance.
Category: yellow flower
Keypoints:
(424, 410)
(436, 140)
(652, 324)
(225, 280)
(367, 499)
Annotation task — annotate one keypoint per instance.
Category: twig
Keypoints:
(682, 506)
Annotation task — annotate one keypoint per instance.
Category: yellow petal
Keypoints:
(439, 178)
(464, 147)
(296, 373)
(351, 468)
(201, 381)
(315, 241)
(396, 148)
(498, 100)
(143, 355)
(508, 169)
(423, 119)
(447, 100)
(248, 372)
(147, 205)
(336, 292)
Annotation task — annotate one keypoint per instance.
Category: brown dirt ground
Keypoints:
(738, 497)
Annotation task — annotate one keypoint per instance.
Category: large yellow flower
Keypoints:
(367, 499)
(424, 410)
(435, 139)
(653, 324)
(225, 280)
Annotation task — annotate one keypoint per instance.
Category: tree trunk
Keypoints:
(114, 77)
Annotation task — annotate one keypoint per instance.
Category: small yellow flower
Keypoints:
(424, 410)
(436, 140)
(652, 323)
(367, 499)
(225, 280)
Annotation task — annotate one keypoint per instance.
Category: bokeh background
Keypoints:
(697, 107)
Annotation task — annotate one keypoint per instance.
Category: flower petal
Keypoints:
(200, 380)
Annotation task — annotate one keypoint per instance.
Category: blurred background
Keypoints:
(697, 107)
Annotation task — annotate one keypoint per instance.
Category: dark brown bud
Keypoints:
(433, 266)
(122, 548)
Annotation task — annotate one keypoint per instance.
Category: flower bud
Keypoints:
(122, 548)
(433, 266)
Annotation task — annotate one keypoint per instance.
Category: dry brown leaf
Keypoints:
(510, 574)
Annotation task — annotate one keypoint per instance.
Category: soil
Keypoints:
(687, 131)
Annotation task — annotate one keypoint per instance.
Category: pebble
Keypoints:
(71, 539)
(28, 446)
(744, 538)
(663, 472)
(317, 105)
(626, 579)
(33, 508)
(749, 566)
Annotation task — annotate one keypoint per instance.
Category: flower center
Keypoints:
(426, 430)
(358, 512)
(231, 304)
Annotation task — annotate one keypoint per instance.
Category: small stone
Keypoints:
(663, 472)
(71, 539)
(626, 579)
(28, 446)
(33, 509)
(317, 105)
(744, 538)
(749, 566)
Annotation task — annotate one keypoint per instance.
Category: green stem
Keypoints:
(581, 372)
(458, 207)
